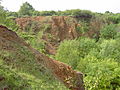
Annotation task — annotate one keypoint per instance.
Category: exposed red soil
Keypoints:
(61, 28)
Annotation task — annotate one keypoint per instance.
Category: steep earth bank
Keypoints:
(10, 42)
(58, 28)
(55, 29)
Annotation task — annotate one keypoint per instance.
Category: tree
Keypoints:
(26, 9)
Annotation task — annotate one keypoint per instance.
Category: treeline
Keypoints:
(27, 10)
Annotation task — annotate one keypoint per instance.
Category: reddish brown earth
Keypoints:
(59, 27)
(72, 79)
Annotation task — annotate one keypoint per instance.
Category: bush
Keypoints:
(109, 32)
(68, 52)
(101, 66)
(115, 18)
(34, 40)
(110, 49)
(101, 74)
(72, 51)
(26, 10)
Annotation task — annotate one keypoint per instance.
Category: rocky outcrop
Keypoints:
(72, 79)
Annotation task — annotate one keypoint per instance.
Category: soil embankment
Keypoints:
(9, 41)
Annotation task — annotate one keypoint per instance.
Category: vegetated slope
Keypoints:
(24, 67)
(55, 29)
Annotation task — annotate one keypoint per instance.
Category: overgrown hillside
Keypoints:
(33, 69)
(83, 40)
(51, 30)
(91, 47)
(18, 66)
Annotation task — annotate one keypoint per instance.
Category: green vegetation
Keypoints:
(26, 10)
(19, 70)
(34, 40)
(110, 31)
(99, 61)
(97, 57)
(7, 21)
(73, 50)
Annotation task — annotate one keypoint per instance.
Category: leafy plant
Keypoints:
(4, 20)
(72, 51)
(110, 49)
(109, 32)
(100, 74)
(26, 10)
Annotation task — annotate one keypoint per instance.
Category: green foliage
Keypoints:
(20, 70)
(115, 18)
(34, 40)
(68, 53)
(37, 26)
(4, 20)
(13, 79)
(32, 27)
(110, 49)
(47, 13)
(83, 28)
(33, 33)
(36, 13)
(99, 61)
(109, 32)
(26, 10)
(72, 51)
(102, 69)
(100, 74)
(12, 14)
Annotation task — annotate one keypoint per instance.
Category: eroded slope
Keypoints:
(22, 56)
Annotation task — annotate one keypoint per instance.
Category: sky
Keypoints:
(41, 5)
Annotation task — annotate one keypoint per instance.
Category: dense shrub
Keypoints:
(68, 53)
(99, 61)
(115, 18)
(109, 32)
(34, 40)
(100, 74)
(72, 51)
(26, 10)
(110, 49)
